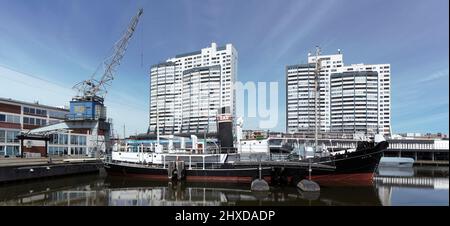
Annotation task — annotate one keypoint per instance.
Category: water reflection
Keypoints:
(73, 191)
(413, 186)
(424, 187)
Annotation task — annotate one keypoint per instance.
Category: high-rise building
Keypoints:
(179, 104)
(165, 99)
(201, 99)
(354, 102)
(352, 99)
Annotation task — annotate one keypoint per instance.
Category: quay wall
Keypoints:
(19, 171)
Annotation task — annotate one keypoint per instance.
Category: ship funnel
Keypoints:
(225, 123)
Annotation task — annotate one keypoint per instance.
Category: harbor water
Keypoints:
(392, 187)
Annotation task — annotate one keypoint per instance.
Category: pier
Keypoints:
(19, 169)
(423, 151)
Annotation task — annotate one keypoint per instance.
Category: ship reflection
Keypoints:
(145, 193)
(94, 190)
(119, 191)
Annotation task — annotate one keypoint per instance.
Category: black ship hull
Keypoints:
(355, 168)
(352, 168)
(222, 174)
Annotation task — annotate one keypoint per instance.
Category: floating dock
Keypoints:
(19, 169)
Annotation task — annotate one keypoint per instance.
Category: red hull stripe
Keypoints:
(147, 176)
(353, 179)
(229, 179)
(234, 179)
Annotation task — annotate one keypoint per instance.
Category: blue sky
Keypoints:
(48, 46)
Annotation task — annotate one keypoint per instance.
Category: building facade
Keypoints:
(300, 98)
(201, 99)
(352, 99)
(215, 67)
(18, 116)
(354, 102)
(165, 99)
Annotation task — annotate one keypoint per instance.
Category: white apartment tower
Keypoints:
(352, 99)
(185, 90)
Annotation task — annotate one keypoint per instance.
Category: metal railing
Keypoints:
(279, 157)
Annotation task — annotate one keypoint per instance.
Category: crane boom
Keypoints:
(94, 90)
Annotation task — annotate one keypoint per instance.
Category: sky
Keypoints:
(48, 46)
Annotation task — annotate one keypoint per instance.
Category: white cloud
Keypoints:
(435, 76)
(301, 29)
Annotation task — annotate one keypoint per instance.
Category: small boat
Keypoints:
(397, 162)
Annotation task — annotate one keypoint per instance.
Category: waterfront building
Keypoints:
(352, 99)
(176, 107)
(19, 116)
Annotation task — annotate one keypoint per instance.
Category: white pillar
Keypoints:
(69, 147)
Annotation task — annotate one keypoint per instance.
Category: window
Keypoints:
(65, 138)
(2, 118)
(53, 139)
(11, 136)
(34, 121)
(74, 140)
(2, 150)
(82, 140)
(41, 112)
(60, 139)
(12, 119)
(12, 150)
(2, 136)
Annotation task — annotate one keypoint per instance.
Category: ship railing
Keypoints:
(224, 150)
(279, 157)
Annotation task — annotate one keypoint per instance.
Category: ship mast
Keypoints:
(316, 96)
